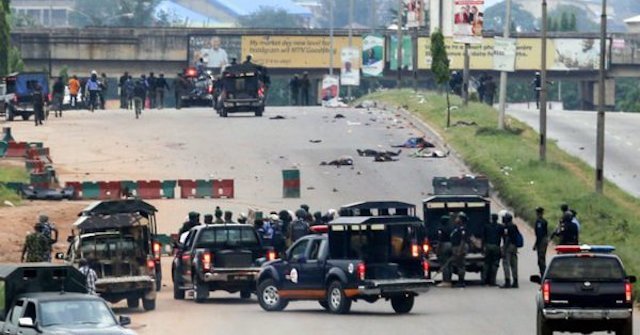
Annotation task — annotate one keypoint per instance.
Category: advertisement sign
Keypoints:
(415, 13)
(330, 91)
(350, 70)
(407, 53)
(504, 54)
(215, 51)
(302, 52)
(468, 20)
(563, 54)
(372, 55)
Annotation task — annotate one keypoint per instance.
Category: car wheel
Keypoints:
(337, 300)
(324, 304)
(402, 304)
(148, 305)
(626, 329)
(269, 296)
(201, 291)
(158, 280)
(178, 293)
(542, 328)
(245, 294)
(133, 302)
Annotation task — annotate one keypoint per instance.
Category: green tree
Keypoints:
(440, 66)
(5, 37)
(269, 17)
(129, 13)
(521, 20)
(564, 22)
(573, 26)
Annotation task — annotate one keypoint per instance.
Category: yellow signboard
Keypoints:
(295, 51)
(562, 54)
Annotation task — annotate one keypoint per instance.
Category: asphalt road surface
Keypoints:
(576, 133)
(194, 143)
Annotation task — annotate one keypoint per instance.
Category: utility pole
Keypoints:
(465, 75)
(601, 102)
(399, 49)
(350, 40)
(374, 18)
(331, 5)
(543, 86)
(504, 75)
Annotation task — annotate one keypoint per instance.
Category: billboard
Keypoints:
(216, 51)
(504, 54)
(372, 55)
(330, 91)
(295, 51)
(407, 53)
(562, 54)
(350, 70)
(415, 13)
(468, 20)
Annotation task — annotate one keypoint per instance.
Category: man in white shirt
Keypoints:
(215, 56)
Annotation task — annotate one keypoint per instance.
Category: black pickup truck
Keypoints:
(585, 289)
(359, 258)
(218, 257)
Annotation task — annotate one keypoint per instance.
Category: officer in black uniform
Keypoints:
(542, 239)
(492, 235)
(444, 249)
(459, 244)
(194, 220)
(567, 230)
(509, 252)
(300, 227)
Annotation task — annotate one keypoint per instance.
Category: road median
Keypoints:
(510, 159)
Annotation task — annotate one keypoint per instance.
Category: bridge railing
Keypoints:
(625, 49)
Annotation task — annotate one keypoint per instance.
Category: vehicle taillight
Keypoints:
(425, 268)
(206, 261)
(426, 247)
(271, 255)
(261, 92)
(157, 248)
(15, 99)
(151, 264)
(210, 89)
(546, 292)
(628, 290)
(415, 250)
(361, 271)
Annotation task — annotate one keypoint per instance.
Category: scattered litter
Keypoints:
(426, 153)
(581, 148)
(374, 153)
(315, 141)
(9, 203)
(383, 157)
(335, 190)
(310, 188)
(349, 123)
(465, 123)
(342, 161)
(277, 117)
(506, 170)
(415, 142)
(339, 116)
(366, 104)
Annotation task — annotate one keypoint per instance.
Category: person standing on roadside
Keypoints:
(152, 84)
(74, 89)
(93, 89)
(36, 246)
(294, 87)
(38, 99)
(124, 99)
(58, 97)
(104, 86)
(139, 93)
(492, 236)
(459, 240)
(567, 230)
(305, 87)
(161, 86)
(179, 87)
(444, 250)
(129, 87)
(542, 239)
(509, 252)
(90, 274)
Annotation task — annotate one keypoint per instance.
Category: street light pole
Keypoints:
(504, 74)
(543, 86)
(601, 102)
(399, 44)
(350, 40)
(331, 51)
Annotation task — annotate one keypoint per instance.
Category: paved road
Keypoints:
(196, 144)
(576, 134)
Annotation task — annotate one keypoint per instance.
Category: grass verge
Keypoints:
(510, 159)
(10, 173)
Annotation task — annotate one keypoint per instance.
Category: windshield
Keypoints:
(373, 242)
(226, 236)
(585, 268)
(72, 313)
(105, 247)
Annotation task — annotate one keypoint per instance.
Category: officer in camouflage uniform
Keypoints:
(37, 246)
(444, 250)
(492, 237)
(459, 240)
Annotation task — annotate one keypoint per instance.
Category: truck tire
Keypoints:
(324, 304)
(133, 303)
(25, 116)
(542, 328)
(259, 111)
(337, 300)
(626, 328)
(245, 294)
(158, 281)
(269, 296)
(178, 293)
(200, 291)
(402, 304)
(148, 305)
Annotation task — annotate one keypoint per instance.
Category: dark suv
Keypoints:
(218, 257)
(359, 258)
(585, 289)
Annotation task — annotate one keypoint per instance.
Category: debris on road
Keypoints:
(415, 142)
(374, 153)
(463, 123)
(427, 153)
(278, 117)
(315, 141)
(341, 161)
(366, 104)
(349, 123)
(339, 116)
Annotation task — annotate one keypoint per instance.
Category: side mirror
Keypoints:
(535, 279)
(632, 279)
(59, 255)
(124, 320)
(26, 323)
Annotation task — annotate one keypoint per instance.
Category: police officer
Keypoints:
(444, 249)
(300, 227)
(38, 99)
(228, 217)
(542, 239)
(50, 232)
(492, 234)
(509, 251)
(36, 246)
(208, 219)
(459, 239)
(567, 230)
(218, 214)
(194, 220)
